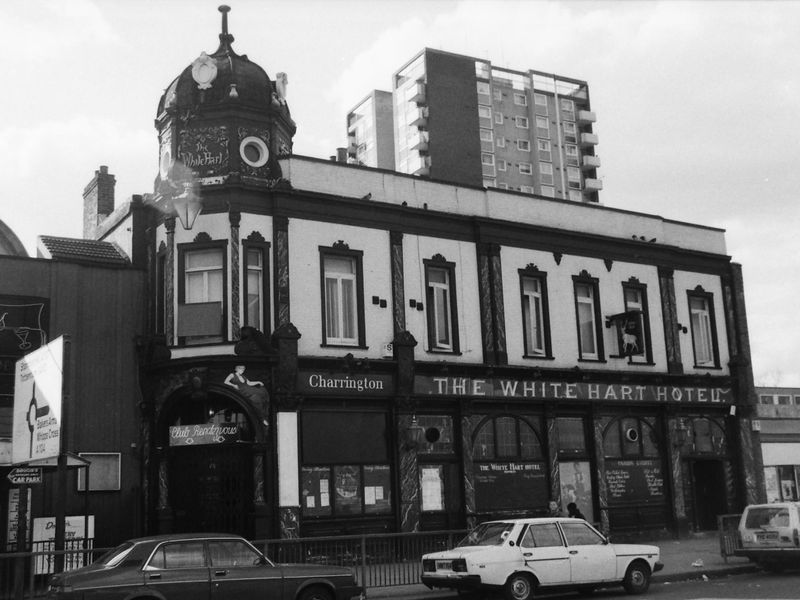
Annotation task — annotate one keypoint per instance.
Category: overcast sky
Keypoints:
(697, 103)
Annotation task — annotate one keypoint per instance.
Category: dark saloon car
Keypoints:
(194, 566)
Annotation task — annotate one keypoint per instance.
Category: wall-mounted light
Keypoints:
(187, 205)
(414, 434)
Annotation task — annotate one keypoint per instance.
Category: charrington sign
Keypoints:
(553, 390)
(321, 382)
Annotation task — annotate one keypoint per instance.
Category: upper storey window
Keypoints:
(441, 306)
(704, 334)
(202, 293)
(587, 313)
(343, 314)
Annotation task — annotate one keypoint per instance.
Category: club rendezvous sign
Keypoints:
(201, 435)
(558, 390)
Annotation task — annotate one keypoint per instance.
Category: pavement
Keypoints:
(695, 557)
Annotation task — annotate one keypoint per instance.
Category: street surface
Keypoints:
(751, 586)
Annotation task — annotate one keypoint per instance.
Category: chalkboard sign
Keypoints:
(510, 485)
(634, 480)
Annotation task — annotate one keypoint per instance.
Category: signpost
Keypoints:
(25, 476)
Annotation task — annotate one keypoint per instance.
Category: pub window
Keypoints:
(345, 464)
(104, 472)
(509, 469)
(535, 313)
(630, 437)
(571, 436)
(256, 285)
(342, 297)
(441, 306)
(704, 334)
(587, 314)
(202, 293)
(635, 297)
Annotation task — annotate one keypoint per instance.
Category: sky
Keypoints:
(697, 104)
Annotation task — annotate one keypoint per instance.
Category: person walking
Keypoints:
(574, 512)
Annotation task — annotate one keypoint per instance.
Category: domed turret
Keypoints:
(223, 119)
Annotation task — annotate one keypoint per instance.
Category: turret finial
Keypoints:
(225, 37)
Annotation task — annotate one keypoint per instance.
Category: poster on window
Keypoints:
(510, 486)
(432, 488)
(576, 486)
(316, 491)
(348, 489)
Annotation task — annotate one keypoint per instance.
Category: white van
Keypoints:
(769, 534)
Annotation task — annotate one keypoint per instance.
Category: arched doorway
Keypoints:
(207, 441)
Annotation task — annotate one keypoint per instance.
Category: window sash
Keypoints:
(533, 316)
(587, 330)
(341, 309)
(702, 338)
(441, 310)
(203, 276)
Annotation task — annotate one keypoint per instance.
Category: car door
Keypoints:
(239, 571)
(178, 571)
(545, 554)
(591, 558)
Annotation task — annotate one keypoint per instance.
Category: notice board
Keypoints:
(510, 485)
(634, 480)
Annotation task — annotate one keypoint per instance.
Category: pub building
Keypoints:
(334, 349)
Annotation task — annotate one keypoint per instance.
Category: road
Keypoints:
(754, 586)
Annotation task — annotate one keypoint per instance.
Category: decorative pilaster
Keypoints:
(398, 281)
(164, 511)
(235, 218)
(409, 473)
(280, 227)
(552, 451)
(485, 298)
(498, 305)
(673, 425)
(598, 426)
(672, 329)
(169, 284)
(468, 424)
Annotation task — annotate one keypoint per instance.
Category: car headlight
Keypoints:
(459, 565)
(429, 565)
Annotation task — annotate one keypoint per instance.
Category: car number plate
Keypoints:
(444, 565)
(770, 535)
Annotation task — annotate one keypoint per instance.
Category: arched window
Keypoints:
(509, 469)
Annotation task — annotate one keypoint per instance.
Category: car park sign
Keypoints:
(25, 476)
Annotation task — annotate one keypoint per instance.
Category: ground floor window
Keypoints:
(345, 468)
(781, 482)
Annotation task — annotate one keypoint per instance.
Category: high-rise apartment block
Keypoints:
(463, 120)
(370, 132)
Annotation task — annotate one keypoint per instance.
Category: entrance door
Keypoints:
(211, 488)
(709, 493)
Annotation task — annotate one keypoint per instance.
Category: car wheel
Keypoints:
(520, 586)
(315, 593)
(637, 578)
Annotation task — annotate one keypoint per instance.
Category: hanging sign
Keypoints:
(199, 435)
(25, 475)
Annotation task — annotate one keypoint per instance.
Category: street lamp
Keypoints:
(187, 205)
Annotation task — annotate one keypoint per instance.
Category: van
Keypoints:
(769, 535)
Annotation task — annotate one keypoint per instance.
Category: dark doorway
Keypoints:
(708, 482)
(211, 489)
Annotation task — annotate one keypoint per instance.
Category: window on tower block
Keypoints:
(704, 335)
(523, 145)
(342, 297)
(521, 122)
(587, 314)
(441, 306)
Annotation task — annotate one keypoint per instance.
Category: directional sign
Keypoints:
(25, 475)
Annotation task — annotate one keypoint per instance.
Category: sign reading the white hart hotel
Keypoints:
(552, 390)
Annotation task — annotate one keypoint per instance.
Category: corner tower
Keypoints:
(222, 120)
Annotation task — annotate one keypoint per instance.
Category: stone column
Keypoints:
(551, 425)
(485, 298)
(672, 329)
(169, 284)
(498, 304)
(598, 425)
(405, 403)
(280, 227)
(672, 425)
(235, 218)
(164, 510)
(398, 282)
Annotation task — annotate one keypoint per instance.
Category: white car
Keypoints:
(523, 556)
(770, 535)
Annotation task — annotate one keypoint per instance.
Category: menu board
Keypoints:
(510, 485)
(634, 480)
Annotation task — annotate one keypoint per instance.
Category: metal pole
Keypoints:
(61, 476)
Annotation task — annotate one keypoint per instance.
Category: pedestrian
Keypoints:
(553, 509)
(572, 511)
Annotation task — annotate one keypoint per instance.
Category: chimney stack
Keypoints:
(98, 201)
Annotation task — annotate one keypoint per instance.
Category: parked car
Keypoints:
(521, 557)
(770, 535)
(200, 566)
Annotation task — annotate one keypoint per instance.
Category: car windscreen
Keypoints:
(767, 516)
(487, 534)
